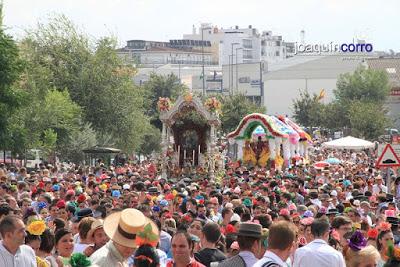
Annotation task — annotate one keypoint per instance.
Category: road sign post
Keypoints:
(387, 159)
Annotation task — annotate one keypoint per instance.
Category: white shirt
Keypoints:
(108, 256)
(24, 257)
(376, 189)
(248, 258)
(268, 257)
(318, 253)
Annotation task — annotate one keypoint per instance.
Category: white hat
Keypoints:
(334, 193)
(229, 205)
(126, 187)
(235, 217)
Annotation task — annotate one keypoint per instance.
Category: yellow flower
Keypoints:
(36, 227)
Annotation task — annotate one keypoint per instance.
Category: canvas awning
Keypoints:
(349, 142)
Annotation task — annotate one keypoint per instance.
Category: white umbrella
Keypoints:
(349, 142)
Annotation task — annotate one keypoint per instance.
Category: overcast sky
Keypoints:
(324, 21)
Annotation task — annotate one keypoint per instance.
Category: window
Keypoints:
(277, 53)
(247, 43)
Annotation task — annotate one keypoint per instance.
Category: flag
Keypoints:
(321, 94)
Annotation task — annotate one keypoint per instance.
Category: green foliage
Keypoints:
(10, 97)
(49, 142)
(161, 86)
(362, 85)
(358, 105)
(367, 119)
(82, 138)
(64, 59)
(234, 108)
(308, 110)
(152, 142)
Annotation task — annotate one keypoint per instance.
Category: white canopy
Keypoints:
(349, 142)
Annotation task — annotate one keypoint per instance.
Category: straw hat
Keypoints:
(97, 224)
(122, 227)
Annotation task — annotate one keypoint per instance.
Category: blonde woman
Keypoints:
(366, 257)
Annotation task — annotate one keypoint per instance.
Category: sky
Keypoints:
(323, 21)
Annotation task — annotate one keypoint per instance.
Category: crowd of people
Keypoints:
(339, 215)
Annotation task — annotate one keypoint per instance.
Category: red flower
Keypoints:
(187, 218)
(81, 198)
(372, 233)
(384, 226)
(230, 229)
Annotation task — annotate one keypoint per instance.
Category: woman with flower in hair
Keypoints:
(385, 236)
(32, 239)
(358, 254)
(305, 235)
(147, 255)
(372, 235)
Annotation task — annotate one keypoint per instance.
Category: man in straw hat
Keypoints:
(249, 236)
(122, 228)
(97, 236)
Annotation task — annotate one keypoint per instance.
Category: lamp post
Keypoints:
(237, 78)
(202, 58)
(231, 69)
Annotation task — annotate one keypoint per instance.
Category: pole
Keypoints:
(179, 70)
(202, 58)
(389, 188)
(237, 73)
(229, 75)
(231, 70)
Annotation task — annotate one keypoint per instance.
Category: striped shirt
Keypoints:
(24, 257)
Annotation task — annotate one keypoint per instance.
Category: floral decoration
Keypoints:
(147, 237)
(372, 233)
(213, 104)
(357, 241)
(163, 104)
(79, 260)
(36, 227)
(384, 226)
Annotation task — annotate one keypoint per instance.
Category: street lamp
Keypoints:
(231, 69)
(202, 57)
(237, 78)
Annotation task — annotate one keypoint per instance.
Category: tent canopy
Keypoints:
(349, 142)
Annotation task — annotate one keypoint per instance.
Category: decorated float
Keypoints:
(305, 139)
(265, 141)
(189, 135)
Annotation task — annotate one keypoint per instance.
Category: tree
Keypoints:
(234, 108)
(11, 98)
(308, 110)
(152, 143)
(161, 86)
(367, 119)
(63, 58)
(362, 85)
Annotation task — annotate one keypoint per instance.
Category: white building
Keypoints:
(148, 53)
(284, 80)
(241, 44)
(274, 48)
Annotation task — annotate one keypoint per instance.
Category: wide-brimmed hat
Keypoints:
(332, 211)
(86, 212)
(97, 224)
(122, 227)
(250, 229)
